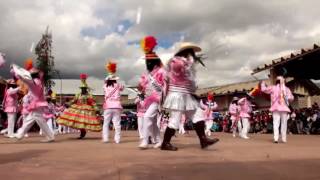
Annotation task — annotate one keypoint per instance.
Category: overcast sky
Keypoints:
(236, 36)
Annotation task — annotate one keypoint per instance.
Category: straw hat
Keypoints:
(188, 45)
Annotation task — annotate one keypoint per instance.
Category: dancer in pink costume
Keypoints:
(37, 105)
(151, 84)
(112, 105)
(280, 97)
(234, 111)
(180, 96)
(10, 104)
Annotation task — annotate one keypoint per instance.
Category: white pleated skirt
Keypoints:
(180, 101)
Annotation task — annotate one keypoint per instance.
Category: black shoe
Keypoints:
(168, 147)
(82, 134)
(149, 140)
(208, 142)
(204, 141)
(276, 142)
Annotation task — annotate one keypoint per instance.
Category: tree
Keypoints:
(45, 59)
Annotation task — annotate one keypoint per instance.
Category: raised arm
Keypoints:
(13, 90)
(266, 89)
(215, 105)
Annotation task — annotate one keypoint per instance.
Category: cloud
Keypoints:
(236, 36)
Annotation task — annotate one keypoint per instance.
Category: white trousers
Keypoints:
(50, 125)
(209, 124)
(238, 125)
(35, 116)
(181, 128)
(11, 123)
(246, 127)
(140, 127)
(277, 118)
(114, 115)
(150, 124)
(175, 118)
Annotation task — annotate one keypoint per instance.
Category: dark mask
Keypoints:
(151, 64)
(12, 86)
(111, 82)
(84, 91)
(35, 75)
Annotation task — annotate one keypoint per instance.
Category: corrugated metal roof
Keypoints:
(230, 88)
(71, 86)
(291, 57)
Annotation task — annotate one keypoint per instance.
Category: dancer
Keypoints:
(210, 105)
(82, 114)
(234, 111)
(140, 113)
(26, 100)
(10, 104)
(180, 98)
(37, 102)
(280, 97)
(60, 108)
(49, 115)
(112, 105)
(204, 112)
(245, 111)
(151, 84)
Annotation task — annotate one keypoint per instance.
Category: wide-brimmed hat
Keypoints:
(188, 45)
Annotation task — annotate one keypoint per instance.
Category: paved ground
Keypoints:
(232, 158)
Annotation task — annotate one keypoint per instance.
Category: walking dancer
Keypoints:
(112, 105)
(82, 114)
(140, 113)
(37, 104)
(180, 98)
(234, 111)
(280, 97)
(151, 84)
(245, 111)
(10, 104)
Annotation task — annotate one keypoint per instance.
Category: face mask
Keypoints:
(190, 58)
(35, 75)
(84, 91)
